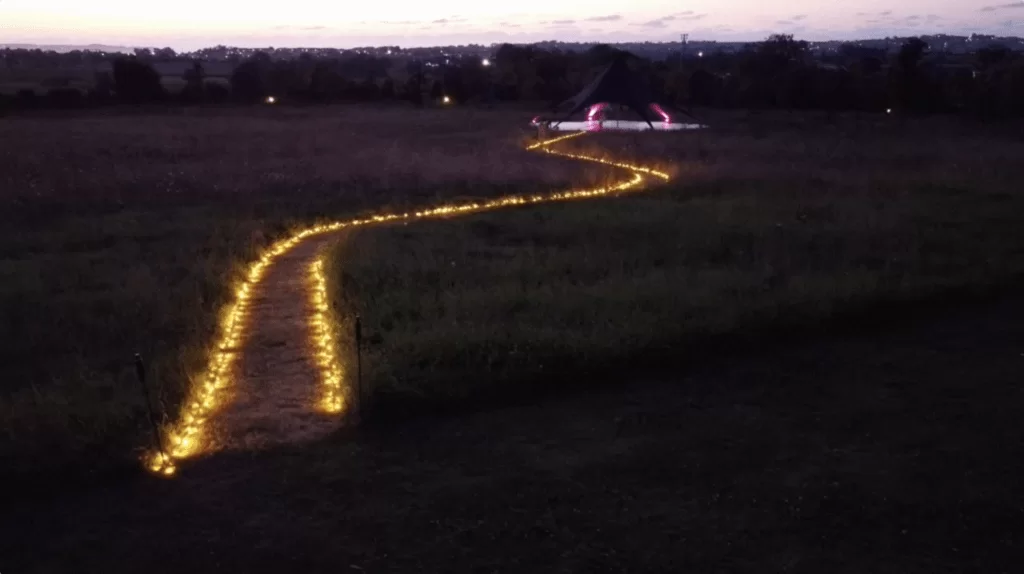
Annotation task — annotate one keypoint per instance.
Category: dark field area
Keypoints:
(782, 360)
(121, 233)
(886, 453)
(787, 228)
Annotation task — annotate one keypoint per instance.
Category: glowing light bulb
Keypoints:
(185, 435)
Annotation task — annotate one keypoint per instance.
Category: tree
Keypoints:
(247, 82)
(387, 89)
(992, 56)
(436, 91)
(136, 82)
(195, 80)
(910, 89)
(703, 88)
(64, 98)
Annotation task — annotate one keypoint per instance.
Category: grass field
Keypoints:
(892, 450)
(786, 228)
(895, 452)
(122, 231)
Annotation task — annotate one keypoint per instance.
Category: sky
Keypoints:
(190, 24)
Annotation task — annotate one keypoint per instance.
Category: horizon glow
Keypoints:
(191, 24)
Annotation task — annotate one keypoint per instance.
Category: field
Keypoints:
(801, 353)
(123, 233)
(763, 235)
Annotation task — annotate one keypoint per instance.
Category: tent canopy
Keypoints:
(617, 84)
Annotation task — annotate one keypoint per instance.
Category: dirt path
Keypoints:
(266, 376)
(276, 374)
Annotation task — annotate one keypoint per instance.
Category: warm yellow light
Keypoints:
(447, 100)
(324, 344)
(187, 434)
(271, 100)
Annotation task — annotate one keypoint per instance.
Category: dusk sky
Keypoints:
(189, 24)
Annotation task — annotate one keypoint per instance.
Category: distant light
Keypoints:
(700, 54)
(486, 62)
(888, 110)
(389, 52)
(447, 100)
(271, 100)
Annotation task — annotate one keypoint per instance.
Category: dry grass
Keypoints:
(231, 151)
(122, 232)
(765, 225)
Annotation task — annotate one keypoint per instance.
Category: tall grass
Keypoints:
(120, 234)
(786, 226)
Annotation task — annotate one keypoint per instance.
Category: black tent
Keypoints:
(617, 85)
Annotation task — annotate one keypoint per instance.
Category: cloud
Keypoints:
(657, 23)
(689, 15)
(911, 18)
(609, 18)
(1013, 6)
(452, 20)
(886, 13)
(300, 28)
(800, 17)
(563, 22)
(784, 22)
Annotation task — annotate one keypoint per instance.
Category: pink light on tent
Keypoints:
(594, 110)
(661, 112)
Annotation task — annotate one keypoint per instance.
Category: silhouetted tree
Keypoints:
(703, 88)
(908, 85)
(436, 91)
(136, 82)
(387, 89)
(248, 84)
(216, 93)
(195, 82)
(64, 98)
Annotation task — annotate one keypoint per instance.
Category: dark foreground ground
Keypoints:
(873, 453)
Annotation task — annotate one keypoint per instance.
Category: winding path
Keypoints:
(274, 375)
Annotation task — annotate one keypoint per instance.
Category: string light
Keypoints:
(188, 434)
(333, 400)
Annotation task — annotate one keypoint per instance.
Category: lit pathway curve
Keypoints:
(274, 376)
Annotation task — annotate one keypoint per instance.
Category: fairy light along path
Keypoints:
(274, 375)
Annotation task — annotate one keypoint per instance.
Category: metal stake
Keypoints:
(140, 373)
(359, 362)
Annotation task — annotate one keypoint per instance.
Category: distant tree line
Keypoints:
(780, 73)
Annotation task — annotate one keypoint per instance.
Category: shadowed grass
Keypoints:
(121, 235)
(763, 232)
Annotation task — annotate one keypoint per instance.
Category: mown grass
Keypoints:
(121, 232)
(761, 230)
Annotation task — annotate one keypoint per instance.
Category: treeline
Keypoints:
(779, 73)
